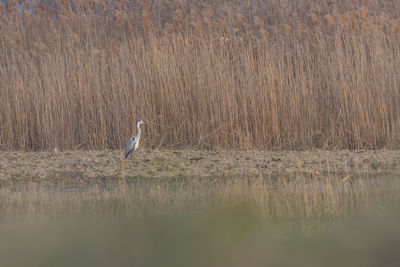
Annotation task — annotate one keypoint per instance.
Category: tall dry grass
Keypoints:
(233, 74)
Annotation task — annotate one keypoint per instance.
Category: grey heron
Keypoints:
(133, 142)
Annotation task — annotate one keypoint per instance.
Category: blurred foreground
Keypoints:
(227, 221)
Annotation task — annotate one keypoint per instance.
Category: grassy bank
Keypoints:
(231, 74)
(109, 165)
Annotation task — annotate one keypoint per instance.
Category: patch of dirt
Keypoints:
(92, 165)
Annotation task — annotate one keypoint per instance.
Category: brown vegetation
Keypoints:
(238, 74)
(99, 166)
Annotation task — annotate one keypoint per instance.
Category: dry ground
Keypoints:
(86, 166)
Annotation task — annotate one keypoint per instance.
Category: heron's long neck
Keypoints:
(138, 130)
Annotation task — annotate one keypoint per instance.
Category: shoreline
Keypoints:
(86, 166)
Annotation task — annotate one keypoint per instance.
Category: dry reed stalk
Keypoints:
(203, 75)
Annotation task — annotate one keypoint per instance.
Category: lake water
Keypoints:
(221, 221)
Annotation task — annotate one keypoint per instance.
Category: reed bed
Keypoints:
(203, 74)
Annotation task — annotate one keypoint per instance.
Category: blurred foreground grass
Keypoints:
(228, 221)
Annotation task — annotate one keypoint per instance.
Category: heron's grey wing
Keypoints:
(129, 146)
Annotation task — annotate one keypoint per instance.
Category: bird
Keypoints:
(133, 142)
